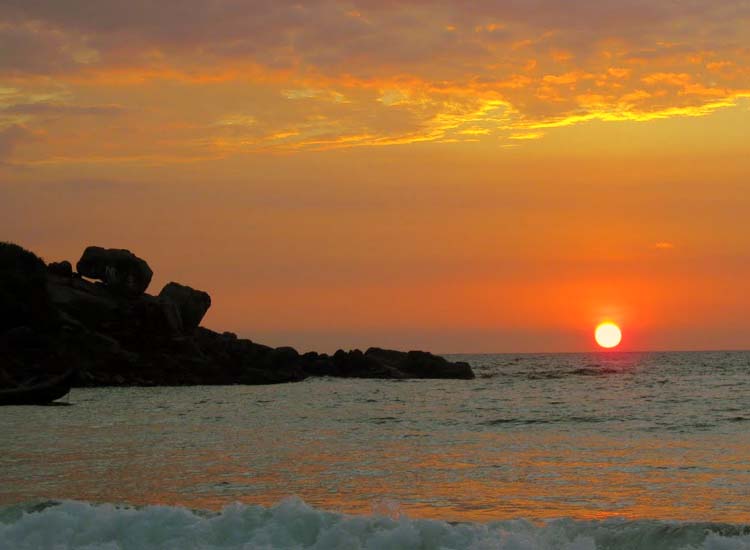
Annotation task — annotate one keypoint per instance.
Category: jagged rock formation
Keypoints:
(52, 319)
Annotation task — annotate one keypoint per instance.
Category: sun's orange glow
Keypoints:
(608, 335)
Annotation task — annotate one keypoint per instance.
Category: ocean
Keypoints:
(560, 451)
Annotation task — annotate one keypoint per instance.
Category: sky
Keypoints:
(486, 176)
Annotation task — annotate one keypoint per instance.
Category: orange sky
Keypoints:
(493, 176)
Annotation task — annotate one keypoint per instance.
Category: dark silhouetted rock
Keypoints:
(192, 304)
(381, 363)
(354, 364)
(247, 362)
(420, 364)
(29, 322)
(91, 304)
(114, 334)
(121, 270)
(285, 354)
(17, 337)
(61, 269)
(24, 300)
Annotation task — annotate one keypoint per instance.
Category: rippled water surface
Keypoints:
(660, 436)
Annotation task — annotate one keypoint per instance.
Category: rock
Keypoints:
(88, 303)
(363, 366)
(314, 364)
(61, 269)
(24, 300)
(29, 323)
(121, 270)
(136, 321)
(420, 364)
(347, 364)
(271, 366)
(150, 321)
(284, 355)
(381, 363)
(340, 357)
(17, 337)
(173, 317)
(245, 362)
(192, 304)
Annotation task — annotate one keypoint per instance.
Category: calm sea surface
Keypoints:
(653, 436)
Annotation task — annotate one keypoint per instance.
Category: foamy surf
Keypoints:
(292, 524)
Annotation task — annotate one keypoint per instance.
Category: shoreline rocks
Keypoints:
(115, 334)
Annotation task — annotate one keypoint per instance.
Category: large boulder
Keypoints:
(121, 270)
(192, 304)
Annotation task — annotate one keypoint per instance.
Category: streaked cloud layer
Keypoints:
(284, 76)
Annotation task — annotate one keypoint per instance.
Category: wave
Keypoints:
(292, 524)
(556, 420)
(553, 374)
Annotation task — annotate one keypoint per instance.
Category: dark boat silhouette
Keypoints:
(40, 393)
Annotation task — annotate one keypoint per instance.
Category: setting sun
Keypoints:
(608, 335)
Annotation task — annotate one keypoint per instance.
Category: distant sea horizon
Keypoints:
(604, 351)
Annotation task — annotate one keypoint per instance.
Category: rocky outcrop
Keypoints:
(61, 269)
(24, 300)
(121, 270)
(382, 363)
(191, 304)
(115, 334)
(29, 322)
(419, 364)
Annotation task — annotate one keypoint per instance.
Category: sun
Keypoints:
(608, 335)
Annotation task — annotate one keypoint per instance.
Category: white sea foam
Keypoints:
(292, 524)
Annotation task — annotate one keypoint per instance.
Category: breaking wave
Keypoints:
(294, 524)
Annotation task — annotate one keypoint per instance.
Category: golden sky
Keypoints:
(456, 176)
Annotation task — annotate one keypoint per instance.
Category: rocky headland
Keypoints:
(99, 320)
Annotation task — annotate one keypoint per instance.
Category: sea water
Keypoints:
(563, 451)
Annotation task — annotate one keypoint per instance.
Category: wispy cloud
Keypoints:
(10, 138)
(47, 109)
(333, 74)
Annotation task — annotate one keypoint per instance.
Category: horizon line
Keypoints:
(602, 351)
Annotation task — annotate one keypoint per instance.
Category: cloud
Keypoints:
(326, 34)
(327, 73)
(33, 47)
(10, 138)
(47, 109)
(528, 136)
(664, 245)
